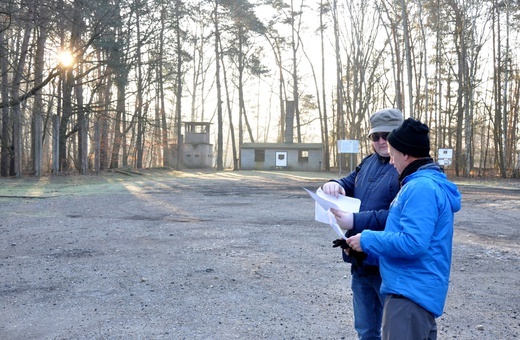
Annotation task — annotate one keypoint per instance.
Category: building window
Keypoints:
(303, 156)
(259, 155)
(196, 128)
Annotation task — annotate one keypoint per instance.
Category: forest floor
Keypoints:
(162, 254)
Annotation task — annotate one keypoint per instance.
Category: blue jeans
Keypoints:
(368, 306)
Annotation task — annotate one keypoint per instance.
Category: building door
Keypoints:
(281, 158)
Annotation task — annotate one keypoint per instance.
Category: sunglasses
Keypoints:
(375, 136)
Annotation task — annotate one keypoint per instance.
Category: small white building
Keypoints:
(281, 156)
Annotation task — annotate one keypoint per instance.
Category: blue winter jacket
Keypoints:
(415, 248)
(375, 182)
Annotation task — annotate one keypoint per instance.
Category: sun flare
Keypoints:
(66, 58)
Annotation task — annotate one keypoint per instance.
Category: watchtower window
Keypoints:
(196, 128)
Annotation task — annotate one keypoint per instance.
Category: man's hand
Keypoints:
(358, 256)
(344, 219)
(355, 242)
(333, 189)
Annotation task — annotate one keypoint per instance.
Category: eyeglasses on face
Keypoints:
(375, 136)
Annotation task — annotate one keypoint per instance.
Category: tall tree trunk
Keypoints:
(103, 121)
(439, 140)
(505, 90)
(97, 146)
(139, 100)
(295, 30)
(325, 123)
(66, 114)
(117, 56)
(460, 46)
(425, 64)
(82, 129)
(178, 90)
(197, 67)
(220, 122)
(514, 123)
(162, 109)
(114, 160)
(5, 146)
(408, 55)
(241, 106)
(37, 112)
(497, 66)
(340, 122)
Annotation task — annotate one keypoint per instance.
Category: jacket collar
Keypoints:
(414, 166)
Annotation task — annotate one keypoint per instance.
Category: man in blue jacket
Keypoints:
(415, 249)
(375, 182)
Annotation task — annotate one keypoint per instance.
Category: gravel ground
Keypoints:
(220, 255)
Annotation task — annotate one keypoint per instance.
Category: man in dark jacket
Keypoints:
(375, 182)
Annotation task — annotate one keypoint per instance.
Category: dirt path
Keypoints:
(231, 255)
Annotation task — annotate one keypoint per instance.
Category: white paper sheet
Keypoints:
(323, 204)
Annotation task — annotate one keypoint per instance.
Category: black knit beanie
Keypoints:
(411, 138)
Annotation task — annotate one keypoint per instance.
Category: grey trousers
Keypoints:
(403, 319)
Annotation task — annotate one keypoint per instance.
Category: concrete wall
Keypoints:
(197, 155)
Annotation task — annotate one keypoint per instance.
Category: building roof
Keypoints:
(286, 146)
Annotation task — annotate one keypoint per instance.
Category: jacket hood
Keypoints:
(452, 192)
